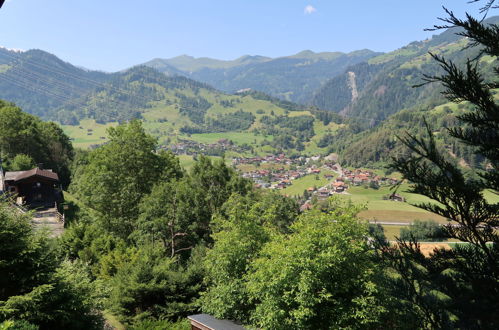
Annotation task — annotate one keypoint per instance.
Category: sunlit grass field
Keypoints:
(301, 184)
(87, 133)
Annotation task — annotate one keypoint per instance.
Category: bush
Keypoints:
(423, 230)
(149, 324)
(17, 325)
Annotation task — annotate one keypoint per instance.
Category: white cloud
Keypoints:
(309, 10)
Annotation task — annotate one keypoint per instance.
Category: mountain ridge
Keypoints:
(293, 78)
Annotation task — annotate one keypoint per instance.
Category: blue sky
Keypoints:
(112, 35)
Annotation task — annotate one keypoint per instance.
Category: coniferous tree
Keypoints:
(457, 287)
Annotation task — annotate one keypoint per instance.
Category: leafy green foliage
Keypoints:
(245, 224)
(194, 108)
(22, 162)
(120, 174)
(43, 142)
(300, 280)
(422, 231)
(236, 121)
(25, 259)
(296, 278)
(34, 287)
(17, 325)
(149, 324)
(150, 285)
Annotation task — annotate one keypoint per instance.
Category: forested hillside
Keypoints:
(148, 241)
(178, 108)
(40, 82)
(292, 78)
(375, 147)
(385, 84)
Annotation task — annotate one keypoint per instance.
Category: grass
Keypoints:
(392, 231)
(301, 184)
(187, 161)
(394, 215)
(387, 210)
(391, 211)
(392, 55)
(236, 137)
(87, 133)
(374, 198)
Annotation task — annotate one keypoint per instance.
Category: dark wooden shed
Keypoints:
(34, 188)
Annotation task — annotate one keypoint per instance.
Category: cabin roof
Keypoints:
(210, 322)
(21, 175)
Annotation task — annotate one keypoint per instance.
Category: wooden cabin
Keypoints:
(33, 188)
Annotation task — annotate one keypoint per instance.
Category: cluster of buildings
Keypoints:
(278, 178)
(269, 159)
(360, 177)
(348, 178)
(189, 147)
(278, 171)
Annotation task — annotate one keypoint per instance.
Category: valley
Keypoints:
(340, 188)
(357, 108)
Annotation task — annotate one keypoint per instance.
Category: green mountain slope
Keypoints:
(293, 78)
(178, 109)
(374, 90)
(39, 82)
(189, 64)
(375, 147)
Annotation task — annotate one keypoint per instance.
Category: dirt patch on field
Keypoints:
(428, 248)
(400, 216)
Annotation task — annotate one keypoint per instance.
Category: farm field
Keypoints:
(387, 210)
(301, 184)
(87, 133)
(187, 161)
(392, 231)
(236, 137)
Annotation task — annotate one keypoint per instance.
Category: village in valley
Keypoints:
(280, 172)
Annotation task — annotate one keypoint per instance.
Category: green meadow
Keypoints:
(87, 133)
(301, 184)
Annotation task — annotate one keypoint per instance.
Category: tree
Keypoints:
(245, 224)
(465, 280)
(422, 231)
(21, 162)
(44, 142)
(152, 286)
(166, 217)
(25, 259)
(35, 287)
(118, 175)
(321, 276)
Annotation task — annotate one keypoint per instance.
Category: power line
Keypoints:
(68, 74)
(65, 88)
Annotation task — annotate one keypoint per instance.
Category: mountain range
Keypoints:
(308, 102)
(293, 78)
